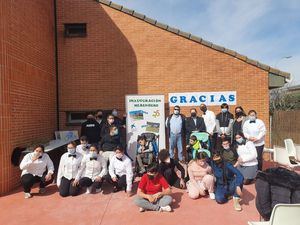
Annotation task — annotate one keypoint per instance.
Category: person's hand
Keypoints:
(151, 198)
(114, 179)
(182, 184)
(75, 183)
(223, 135)
(240, 160)
(98, 179)
(48, 177)
(187, 146)
(100, 152)
(252, 139)
(35, 157)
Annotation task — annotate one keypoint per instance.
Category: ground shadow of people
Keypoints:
(247, 197)
(177, 196)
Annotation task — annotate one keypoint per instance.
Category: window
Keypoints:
(76, 118)
(75, 30)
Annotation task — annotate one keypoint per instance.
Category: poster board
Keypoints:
(197, 98)
(145, 113)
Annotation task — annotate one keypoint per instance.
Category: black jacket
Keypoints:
(108, 143)
(276, 185)
(92, 129)
(191, 126)
(168, 171)
(224, 118)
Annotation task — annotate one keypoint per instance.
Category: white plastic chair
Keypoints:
(282, 214)
(281, 156)
(289, 145)
(297, 152)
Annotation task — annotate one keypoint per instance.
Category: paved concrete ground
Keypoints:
(115, 208)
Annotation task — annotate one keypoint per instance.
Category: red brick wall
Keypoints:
(27, 76)
(123, 55)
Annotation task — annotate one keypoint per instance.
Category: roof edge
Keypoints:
(194, 38)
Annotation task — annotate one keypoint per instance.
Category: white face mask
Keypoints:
(224, 110)
(72, 151)
(252, 118)
(240, 140)
(93, 154)
(114, 113)
(176, 112)
(37, 154)
(226, 147)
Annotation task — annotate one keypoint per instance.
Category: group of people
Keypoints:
(219, 169)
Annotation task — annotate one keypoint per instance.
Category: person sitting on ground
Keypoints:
(92, 171)
(109, 142)
(120, 171)
(247, 158)
(36, 167)
(170, 168)
(153, 191)
(83, 148)
(68, 168)
(201, 178)
(229, 182)
(228, 152)
(144, 153)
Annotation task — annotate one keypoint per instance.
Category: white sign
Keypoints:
(145, 113)
(197, 98)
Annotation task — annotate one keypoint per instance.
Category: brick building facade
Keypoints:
(123, 52)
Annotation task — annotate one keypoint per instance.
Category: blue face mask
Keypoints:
(93, 154)
(240, 140)
(224, 110)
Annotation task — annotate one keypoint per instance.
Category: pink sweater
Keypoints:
(197, 172)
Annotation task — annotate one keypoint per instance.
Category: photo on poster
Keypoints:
(152, 127)
(136, 115)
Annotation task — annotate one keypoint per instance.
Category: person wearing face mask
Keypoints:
(210, 124)
(120, 171)
(110, 121)
(91, 129)
(83, 148)
(109, 142)
(247, 158)
(175, 124)
(92, 170)
(171, 169)
(120, 123)
(237, 126)
(201, 177)
(228, 152)
(68, 168)
(254, 130)
(194, 124)
(229, 182)
(36, 167)
(224, 121)
(154, 192)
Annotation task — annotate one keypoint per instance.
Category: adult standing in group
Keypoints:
(194, 124)
(175, 124)
(224, 121)
(254, 130)
(210, 124)
(99, 118)
(91, 129)
(110, 121)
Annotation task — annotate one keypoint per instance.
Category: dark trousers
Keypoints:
(222, 192)
(120, 184)
(259, 150)
(66, 188)
(28, 180)
(87, 182)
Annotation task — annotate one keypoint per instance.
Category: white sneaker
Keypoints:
(27, 195)
(212, 196)
(165, 208)
(142, 210)
(98, 190)
(88, 190)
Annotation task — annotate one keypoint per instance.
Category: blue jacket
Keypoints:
(231, 173)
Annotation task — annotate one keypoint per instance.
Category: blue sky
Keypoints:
(264, 30)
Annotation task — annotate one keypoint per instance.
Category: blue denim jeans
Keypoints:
(175, 140)
(223, 192)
